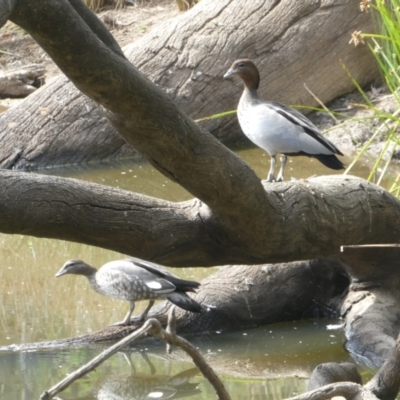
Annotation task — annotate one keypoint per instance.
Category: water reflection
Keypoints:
(138, 385)
(265, 363)
(140, 177)
(35, 306)
(115, 379)
(143, 178)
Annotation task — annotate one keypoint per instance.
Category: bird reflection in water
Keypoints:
(144, 386)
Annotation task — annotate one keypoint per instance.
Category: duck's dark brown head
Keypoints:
(76, 267)
(247, 71)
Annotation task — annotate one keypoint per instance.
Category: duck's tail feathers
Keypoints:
(183, 285)
(182, 300)
(330, 161)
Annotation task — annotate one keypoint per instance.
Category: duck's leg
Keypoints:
(283, 165)
(127, 319)
(270, 177)
(143, 315)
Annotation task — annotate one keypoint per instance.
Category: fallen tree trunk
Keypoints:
(187, 58)
(332, 210)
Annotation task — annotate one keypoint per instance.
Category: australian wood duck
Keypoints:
(277, 128)
(133, 280)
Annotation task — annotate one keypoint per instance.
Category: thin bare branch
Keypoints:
(95, 362)
(153, 327)
(170, 337)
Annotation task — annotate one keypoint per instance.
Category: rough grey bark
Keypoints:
(292, 42)
(386, 382)
(290, 221)
(242, 297)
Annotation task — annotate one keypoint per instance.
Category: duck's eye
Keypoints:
(241, 65)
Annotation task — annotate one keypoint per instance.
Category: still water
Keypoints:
(271, 362)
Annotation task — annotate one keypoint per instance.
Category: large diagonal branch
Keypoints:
(145, 116)
(237, 220)
(142, 113)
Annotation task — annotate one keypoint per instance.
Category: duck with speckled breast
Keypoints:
(133, 279)
(277, 128)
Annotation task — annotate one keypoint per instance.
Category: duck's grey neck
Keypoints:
(249, 94)
(88, 270)
(92, 281)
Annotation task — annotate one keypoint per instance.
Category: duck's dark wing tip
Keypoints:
(183, 285)
(330, 161)
(183, 301)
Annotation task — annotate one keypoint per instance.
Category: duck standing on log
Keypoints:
(277, 128)
(133, 280)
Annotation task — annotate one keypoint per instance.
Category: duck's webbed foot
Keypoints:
(270, 178)
(130, 321)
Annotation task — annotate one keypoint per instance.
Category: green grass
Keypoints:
(216, 116)
(385, 46)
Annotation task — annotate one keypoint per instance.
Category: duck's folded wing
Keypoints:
(297, 118)
(149, 266)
